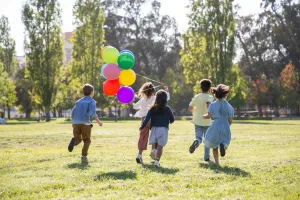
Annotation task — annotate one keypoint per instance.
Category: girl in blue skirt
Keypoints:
(218, 134)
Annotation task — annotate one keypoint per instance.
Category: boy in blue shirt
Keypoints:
(83, 111)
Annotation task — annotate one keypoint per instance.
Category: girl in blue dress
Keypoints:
(218, 134)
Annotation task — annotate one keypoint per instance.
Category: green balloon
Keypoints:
(110, 55)
(126, 60)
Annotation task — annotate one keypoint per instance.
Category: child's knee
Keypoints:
(87, 141)
(78, 141)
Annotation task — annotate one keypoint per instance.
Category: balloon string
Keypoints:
(151, 79)
(138, 92)
(148, 89)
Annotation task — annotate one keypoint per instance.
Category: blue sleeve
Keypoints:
(231, 111)
(146, 120)
(211, 109)
(92, 109)
(171, 116)
(73, 111)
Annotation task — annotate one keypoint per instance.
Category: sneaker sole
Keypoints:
(222, 150)
(193, 146)
(138, 161)
(71, 145)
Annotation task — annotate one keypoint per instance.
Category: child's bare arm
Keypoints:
(98, 121)
(230, 121)
(208, 103)
(207, 116)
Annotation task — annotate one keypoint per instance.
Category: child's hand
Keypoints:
(100, 123)
(166, 88)
(204, 117)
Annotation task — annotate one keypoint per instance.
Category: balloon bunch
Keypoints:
(117, 71)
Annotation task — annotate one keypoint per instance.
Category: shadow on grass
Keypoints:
(235, 171)
(261, 123)
(116, 176)
(19, 123)
(161, 170)
(81, 166)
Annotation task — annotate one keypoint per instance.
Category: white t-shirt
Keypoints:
(144, 105)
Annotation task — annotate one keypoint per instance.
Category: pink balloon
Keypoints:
(112, 71)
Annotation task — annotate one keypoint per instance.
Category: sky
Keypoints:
(178, 10)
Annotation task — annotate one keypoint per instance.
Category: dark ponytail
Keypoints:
(160, 102)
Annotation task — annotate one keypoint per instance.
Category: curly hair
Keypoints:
(146, 90)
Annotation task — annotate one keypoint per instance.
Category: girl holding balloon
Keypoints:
(147, 98)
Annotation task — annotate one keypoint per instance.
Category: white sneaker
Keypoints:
(153, 154)
(139, 159)
(156, 163)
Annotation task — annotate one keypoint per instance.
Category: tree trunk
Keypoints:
(260, 113)
(8, 112)
(238, 111)
(54, 112)
(28, 111)
(27, 114)
(47, 114)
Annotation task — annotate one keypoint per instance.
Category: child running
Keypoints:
(219, 134)
(199, 106)
(161, 116)
(83, 111)
(147, 98)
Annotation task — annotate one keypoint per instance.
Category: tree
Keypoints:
(7, 52)
(285, 33)
(43, 48)
(7, 47)
(23, 92)
(7, 89)
(290, 88)
(209, 41)
(88, 40)
(69, 90)
(150, 36)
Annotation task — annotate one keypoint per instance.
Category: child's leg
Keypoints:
(198, 140)
(154, 146)
(159, 152)
(77, 133)
(86, 137)
(216, 156)
(206, 150)
(143, 139)
(162, 139)
(77, 137)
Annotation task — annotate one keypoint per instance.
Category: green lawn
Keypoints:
(262, 162)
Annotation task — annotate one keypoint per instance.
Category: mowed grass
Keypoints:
(262, 162)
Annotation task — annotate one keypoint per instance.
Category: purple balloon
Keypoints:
(125, 95)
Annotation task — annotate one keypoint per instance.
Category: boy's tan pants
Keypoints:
(83, 132)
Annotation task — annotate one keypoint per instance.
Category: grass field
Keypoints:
(262, 162)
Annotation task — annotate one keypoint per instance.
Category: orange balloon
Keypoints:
(102, 50)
